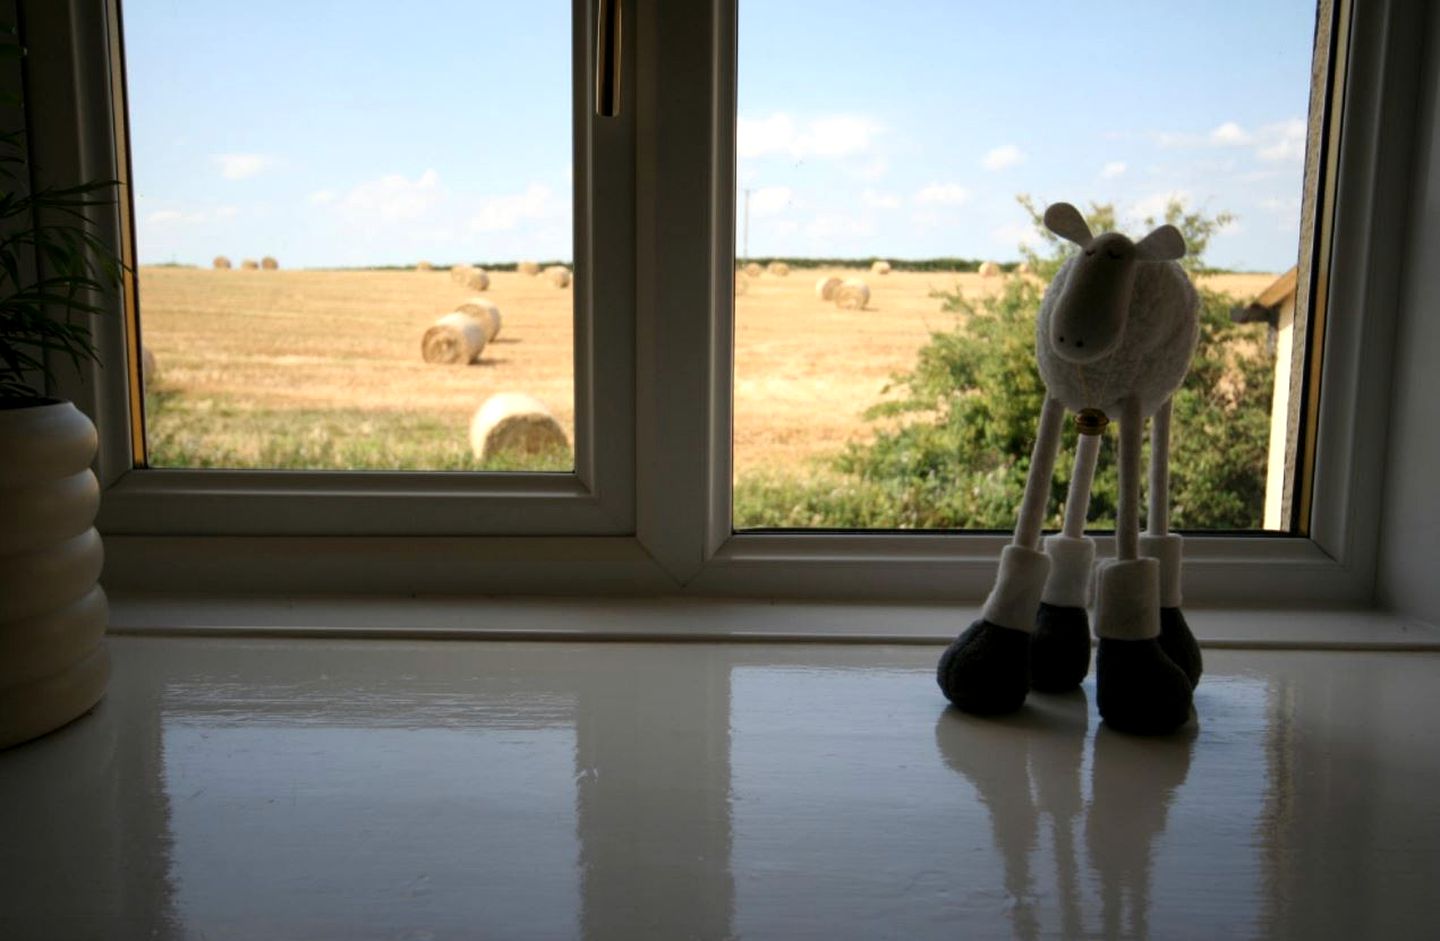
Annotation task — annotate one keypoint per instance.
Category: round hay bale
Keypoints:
(989, 269)
(484, 310)
(558, 275)
(269, 263)
(1024, 269)
(514, 423)
(881, 267)
(250, 264)
(778, 268)
(742, 283)
(221, 263)
(852, 295)
(825, 288)
(149, 368)
(532, 268)
(455, 340)
(477, 279)
(424, 266)
(753, 270)
(459, 273)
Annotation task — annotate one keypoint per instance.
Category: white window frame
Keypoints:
(662, 509)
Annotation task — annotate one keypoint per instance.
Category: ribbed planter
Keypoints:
(53, 662)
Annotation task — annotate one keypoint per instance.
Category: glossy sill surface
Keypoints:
(233, 788)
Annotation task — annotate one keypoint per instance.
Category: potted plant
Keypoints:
(54, 274)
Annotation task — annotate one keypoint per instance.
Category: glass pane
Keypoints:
(353, 229)
(906, 160)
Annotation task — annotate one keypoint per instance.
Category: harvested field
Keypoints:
(329, 359)
(252, 360)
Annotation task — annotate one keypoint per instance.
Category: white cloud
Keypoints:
(840, 135)
(502, 213)
(227, 212)
(242, 166)
(1154, 205)
(878, 200)
(1280, 141)
(391, 198)
(769, 200)
(1283, 141)
(1113, 169)
(873, 170)
(1229, 134)
(943, 194)
(321, 197)
(1004, 156)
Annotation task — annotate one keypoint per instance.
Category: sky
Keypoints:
(338, 134)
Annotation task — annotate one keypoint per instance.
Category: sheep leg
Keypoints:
(987, 669)
(1166, 548)
(1139, 689)
(1060, 643)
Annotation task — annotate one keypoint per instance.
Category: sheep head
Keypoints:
(1090, 314)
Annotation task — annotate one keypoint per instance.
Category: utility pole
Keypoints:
(745, 252)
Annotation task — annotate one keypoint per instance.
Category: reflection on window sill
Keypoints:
(689, 619)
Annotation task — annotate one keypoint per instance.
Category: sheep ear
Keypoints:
(1065, 221)
(1164, 244)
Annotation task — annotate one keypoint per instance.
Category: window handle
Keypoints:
(607, 58)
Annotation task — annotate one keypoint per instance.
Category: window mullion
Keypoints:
(685, 172)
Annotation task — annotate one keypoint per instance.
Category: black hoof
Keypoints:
(1139, 689)
(1059, 649)
(1179, 644)
(986, 671)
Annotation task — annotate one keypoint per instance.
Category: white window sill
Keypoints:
(693, 619)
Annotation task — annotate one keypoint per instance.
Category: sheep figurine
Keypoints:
(1114, 338)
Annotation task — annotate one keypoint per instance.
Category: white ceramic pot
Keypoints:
(53, 662)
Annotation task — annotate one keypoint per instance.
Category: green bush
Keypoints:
(953, 450)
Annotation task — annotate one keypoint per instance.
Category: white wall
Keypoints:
(1408, 578)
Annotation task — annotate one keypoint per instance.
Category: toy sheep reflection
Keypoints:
(1114, 338)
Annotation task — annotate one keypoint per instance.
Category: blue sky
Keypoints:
(342, 134)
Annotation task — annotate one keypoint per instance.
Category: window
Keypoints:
(648, 506)
(350, 251)
(891, 258)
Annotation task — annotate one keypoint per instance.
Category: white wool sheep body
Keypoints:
(1114, 337)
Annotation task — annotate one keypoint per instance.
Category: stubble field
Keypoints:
(322, 369)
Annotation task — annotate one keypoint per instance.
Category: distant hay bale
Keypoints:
(514, 423)
(459, 273)
(484, 310)
(825, 288)
(852, 295)
(221, 263)
(881, 267)
(742, 283)
(477, 279)
(989, 269)
(558, 275)
(1024, 268)
(753, 270)
(778, 268)
(250, 264)
(455, 340)
(532, 268)
(149, 368)
(424, 266)
(269, 263)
